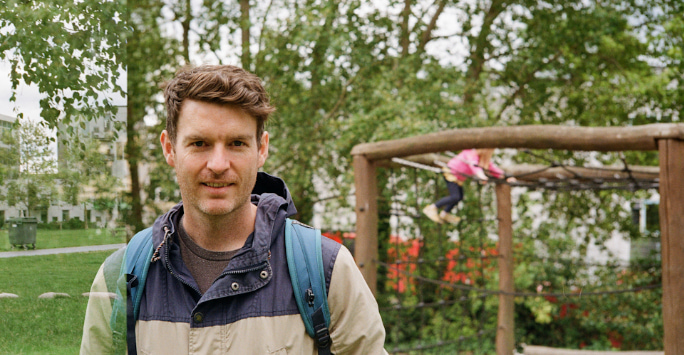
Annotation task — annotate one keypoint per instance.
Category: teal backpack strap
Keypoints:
(134, 274)
(305, 263)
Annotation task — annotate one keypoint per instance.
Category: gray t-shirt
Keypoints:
(204, 265)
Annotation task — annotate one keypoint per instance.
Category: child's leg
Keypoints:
(455, 196)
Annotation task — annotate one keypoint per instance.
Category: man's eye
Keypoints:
(198, 144)
(238, 143)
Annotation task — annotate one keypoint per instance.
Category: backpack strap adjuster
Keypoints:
(323, 337)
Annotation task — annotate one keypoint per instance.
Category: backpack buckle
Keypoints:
(323, 337)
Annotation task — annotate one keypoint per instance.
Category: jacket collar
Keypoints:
(274, 205)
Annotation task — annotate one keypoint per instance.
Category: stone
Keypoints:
(8, 295)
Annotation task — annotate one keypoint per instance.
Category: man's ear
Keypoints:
(167, 147)
(263, 149)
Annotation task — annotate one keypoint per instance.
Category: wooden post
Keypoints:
(366, 244)
(505, 337)
(672, 242)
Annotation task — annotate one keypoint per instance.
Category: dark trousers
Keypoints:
(455, 196)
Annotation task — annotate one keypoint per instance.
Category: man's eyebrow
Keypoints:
(198, 137)
(193, 137)
(245, 137)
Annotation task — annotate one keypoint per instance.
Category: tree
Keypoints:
(85, 171)
(347, 72)
(152, 57)
(30, 168)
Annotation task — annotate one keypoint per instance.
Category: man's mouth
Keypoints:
(216, 184)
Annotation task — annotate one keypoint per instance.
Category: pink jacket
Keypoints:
(464, 166)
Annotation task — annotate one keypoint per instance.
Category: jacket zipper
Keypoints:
(168, 268)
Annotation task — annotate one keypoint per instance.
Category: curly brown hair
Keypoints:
(219, 84)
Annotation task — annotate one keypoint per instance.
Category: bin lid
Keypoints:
(20, 220)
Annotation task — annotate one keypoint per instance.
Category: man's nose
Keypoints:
(219, 160)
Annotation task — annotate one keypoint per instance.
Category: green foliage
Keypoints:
(553, 231)
(74, 223)
(85, 170)
(72, 50)
(460, 259)
(29, 167)
(343, 73)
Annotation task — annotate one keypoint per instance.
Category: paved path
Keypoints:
(11, 254)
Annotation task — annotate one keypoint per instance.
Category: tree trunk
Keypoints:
(244, 28)
(187, 17)
(85, 215)
(133, 155)
(405, 28)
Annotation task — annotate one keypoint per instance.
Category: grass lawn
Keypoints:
(48, 239)
(45, 326)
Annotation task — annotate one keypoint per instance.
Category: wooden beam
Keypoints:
(532, 137)
(505, 332)
(672, 242)
(366, 243)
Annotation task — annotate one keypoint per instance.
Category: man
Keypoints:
(218, 282)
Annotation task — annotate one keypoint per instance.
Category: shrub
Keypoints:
(74, 223)
(48, 225)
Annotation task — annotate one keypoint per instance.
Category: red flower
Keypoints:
(564, 310)
(615, 339)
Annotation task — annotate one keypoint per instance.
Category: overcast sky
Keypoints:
(27, 96)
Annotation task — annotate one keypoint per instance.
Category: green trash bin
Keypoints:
(22, 232)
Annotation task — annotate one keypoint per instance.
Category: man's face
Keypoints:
(216, 157)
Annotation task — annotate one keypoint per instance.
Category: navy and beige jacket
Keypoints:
(250, 308)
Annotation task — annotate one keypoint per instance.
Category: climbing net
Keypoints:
(440, 282)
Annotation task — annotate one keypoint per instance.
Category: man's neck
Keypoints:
(222, 233)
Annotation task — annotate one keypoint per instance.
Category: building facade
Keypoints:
(110, 134)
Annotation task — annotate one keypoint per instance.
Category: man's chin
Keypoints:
(217, 211)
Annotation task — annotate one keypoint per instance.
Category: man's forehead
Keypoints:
(194, 114)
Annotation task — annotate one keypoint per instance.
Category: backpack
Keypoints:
(304, 261)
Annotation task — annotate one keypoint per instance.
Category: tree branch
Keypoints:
(261, 33)
(427, 35)
(528, 78)
(478, 52)
(342, 98)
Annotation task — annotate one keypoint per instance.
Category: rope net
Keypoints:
(438, 283)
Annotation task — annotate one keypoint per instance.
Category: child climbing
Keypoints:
(469, 163)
